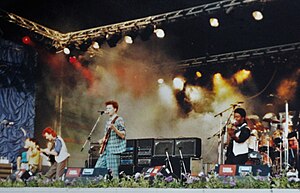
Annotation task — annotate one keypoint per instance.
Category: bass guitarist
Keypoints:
(113, 143)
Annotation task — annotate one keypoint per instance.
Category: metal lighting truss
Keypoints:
(239, 55)
(61, 40)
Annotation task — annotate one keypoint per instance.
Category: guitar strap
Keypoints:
(113, 121)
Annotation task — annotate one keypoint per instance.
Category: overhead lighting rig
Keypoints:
(61, 40)
(240, 55)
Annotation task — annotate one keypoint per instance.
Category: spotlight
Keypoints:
(147, 32)
(72, 59)
(257, 15)
(159, 33)
(160, 81)
(128, 39)
(130, 36)
(26, 40)
(198, 74)
(178, 83)
(214, 22)
(96, 45)
(113, 39)
(67, 51)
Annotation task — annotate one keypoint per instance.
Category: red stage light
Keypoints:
(26, 40)
(72, 59)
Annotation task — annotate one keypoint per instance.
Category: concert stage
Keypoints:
(141, 190)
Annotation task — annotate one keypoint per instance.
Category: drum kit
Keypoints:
(266, 142)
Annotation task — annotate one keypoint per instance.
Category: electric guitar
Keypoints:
(106, 137)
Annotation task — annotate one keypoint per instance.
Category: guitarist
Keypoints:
(113, 143)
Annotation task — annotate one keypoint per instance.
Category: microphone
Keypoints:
(102, 112)
(237, 104)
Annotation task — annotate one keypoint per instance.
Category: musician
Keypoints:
(113, 143)
(60, 153)
(239, 132)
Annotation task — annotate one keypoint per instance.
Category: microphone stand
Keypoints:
(182, 164)
(169, 162)
(89, 136)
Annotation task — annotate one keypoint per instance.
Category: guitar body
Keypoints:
(106, 137)
(104, 143)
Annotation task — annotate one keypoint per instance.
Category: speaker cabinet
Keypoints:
(161, 146)
(92, 161)
(190, 147)
(129, 156)
(5, 169)
(144, 147)
(94, 149)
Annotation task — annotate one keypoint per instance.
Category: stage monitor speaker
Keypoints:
(161, 146)
(242, 170)
(93, 172)
(78, 172)
(72, 172)
(190, 147)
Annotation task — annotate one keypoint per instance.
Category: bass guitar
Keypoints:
(106, 137)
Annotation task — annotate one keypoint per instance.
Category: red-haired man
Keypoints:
(59, 151)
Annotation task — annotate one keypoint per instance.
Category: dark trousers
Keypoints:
(57, 169)
(238, 159)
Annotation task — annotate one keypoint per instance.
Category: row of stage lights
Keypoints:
(129, 37)
(179, 81)
(257, 15)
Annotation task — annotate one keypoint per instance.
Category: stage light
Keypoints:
(178, 83)
(159, 33)
(241, 76)
(166, 95)
(26, 40)
(198, 74)
(128, 39)
(130, 36)
(193, 93)
(214, 22)
(96, 45)
(72, 59)
(257, 15)
(146, 33)
(67, 51)
(160, 81)
(113, 39)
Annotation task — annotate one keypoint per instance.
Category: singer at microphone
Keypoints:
(113, 141)
(239, 132)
